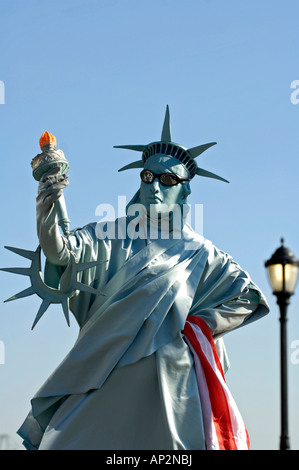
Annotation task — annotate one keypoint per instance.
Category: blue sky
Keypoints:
(99, 73)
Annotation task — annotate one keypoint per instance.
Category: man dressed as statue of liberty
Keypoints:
(147, 369)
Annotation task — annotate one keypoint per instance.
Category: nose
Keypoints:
(155, 186)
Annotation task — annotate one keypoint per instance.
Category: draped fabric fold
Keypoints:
(150, 287)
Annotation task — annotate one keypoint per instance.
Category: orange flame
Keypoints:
(47, 139)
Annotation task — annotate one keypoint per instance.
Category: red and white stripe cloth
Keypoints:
(223, 425)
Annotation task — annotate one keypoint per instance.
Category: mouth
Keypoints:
(154, 199)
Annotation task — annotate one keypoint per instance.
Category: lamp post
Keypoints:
(283, 274)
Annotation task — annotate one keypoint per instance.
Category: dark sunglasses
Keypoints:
(166, 179)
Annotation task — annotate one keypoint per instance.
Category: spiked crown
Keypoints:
(166, 147)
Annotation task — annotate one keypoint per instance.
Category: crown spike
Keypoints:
(23, 293)
(208, 174)
(85, 288)
(166, 135)
(66, 311)
(89, 264)
(44, 306)
(137, 164)
(195, 151)
(138, 148)
(19, 251)
(22, 271)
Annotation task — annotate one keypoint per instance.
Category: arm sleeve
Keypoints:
(52, 242)
(226, 297)
(85, 247)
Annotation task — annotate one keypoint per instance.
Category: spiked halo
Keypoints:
(166, 147)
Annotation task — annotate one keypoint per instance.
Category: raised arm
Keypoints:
(52, 242)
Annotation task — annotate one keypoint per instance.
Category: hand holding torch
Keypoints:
(52, 158)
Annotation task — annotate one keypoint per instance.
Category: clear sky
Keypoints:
(99, 73)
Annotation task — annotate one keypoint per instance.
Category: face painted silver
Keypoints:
(156, 194)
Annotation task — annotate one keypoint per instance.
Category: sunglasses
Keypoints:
(166, 179)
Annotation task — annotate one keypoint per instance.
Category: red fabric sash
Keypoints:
(223, 425)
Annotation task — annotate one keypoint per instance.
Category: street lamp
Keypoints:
(283, 273)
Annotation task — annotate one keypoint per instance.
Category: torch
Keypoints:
(49, 159)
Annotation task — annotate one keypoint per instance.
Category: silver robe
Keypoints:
(129, 381)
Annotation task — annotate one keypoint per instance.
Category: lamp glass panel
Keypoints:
(275, 274)
(291, 276)
(276, 277)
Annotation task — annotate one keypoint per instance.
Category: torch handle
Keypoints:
(63, 220)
